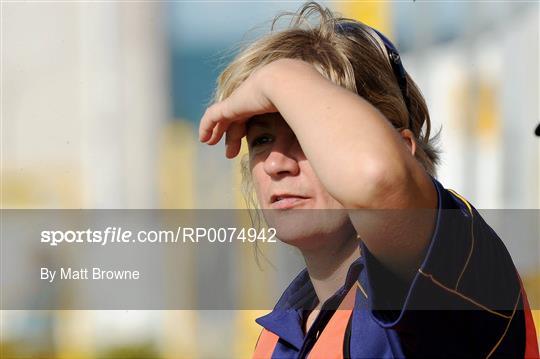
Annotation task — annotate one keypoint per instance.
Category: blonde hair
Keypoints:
(354, 59)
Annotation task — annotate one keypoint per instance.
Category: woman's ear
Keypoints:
(408, 137)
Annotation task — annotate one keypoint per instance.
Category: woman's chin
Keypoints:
(302, 227)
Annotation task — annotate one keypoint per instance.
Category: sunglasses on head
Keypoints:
(393, 55)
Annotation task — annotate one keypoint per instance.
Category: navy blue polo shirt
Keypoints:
(464, 301)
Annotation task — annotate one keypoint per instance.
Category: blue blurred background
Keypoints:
(100, 105)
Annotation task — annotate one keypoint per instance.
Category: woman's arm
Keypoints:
(359, 157)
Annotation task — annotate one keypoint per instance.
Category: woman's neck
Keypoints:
(328, 265)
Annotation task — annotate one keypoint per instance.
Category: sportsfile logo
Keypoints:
(120, 235)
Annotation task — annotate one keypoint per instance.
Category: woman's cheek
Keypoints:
(258, 185)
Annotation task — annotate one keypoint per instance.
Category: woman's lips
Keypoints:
(288, 202)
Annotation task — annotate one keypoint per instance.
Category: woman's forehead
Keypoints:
(267, 121)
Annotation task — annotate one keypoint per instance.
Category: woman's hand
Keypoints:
(230, 115)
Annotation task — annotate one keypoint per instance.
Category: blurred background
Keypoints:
(100, 104)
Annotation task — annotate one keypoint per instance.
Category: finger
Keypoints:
(233, 139)
(233, 148)
(218, 132)
(208, 122)
(205, 130)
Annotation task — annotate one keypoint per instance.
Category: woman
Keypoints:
(396, 265)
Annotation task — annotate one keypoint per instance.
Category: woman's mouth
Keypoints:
(286, 201)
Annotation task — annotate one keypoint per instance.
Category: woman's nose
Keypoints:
(280, 162)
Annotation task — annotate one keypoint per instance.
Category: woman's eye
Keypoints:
(261, 140)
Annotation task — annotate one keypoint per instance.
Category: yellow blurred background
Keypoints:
(100, 103)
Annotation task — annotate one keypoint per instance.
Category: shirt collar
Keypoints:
(285, 318)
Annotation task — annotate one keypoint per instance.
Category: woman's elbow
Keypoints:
(378, 183)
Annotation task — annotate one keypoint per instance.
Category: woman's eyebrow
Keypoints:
(259, 122)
